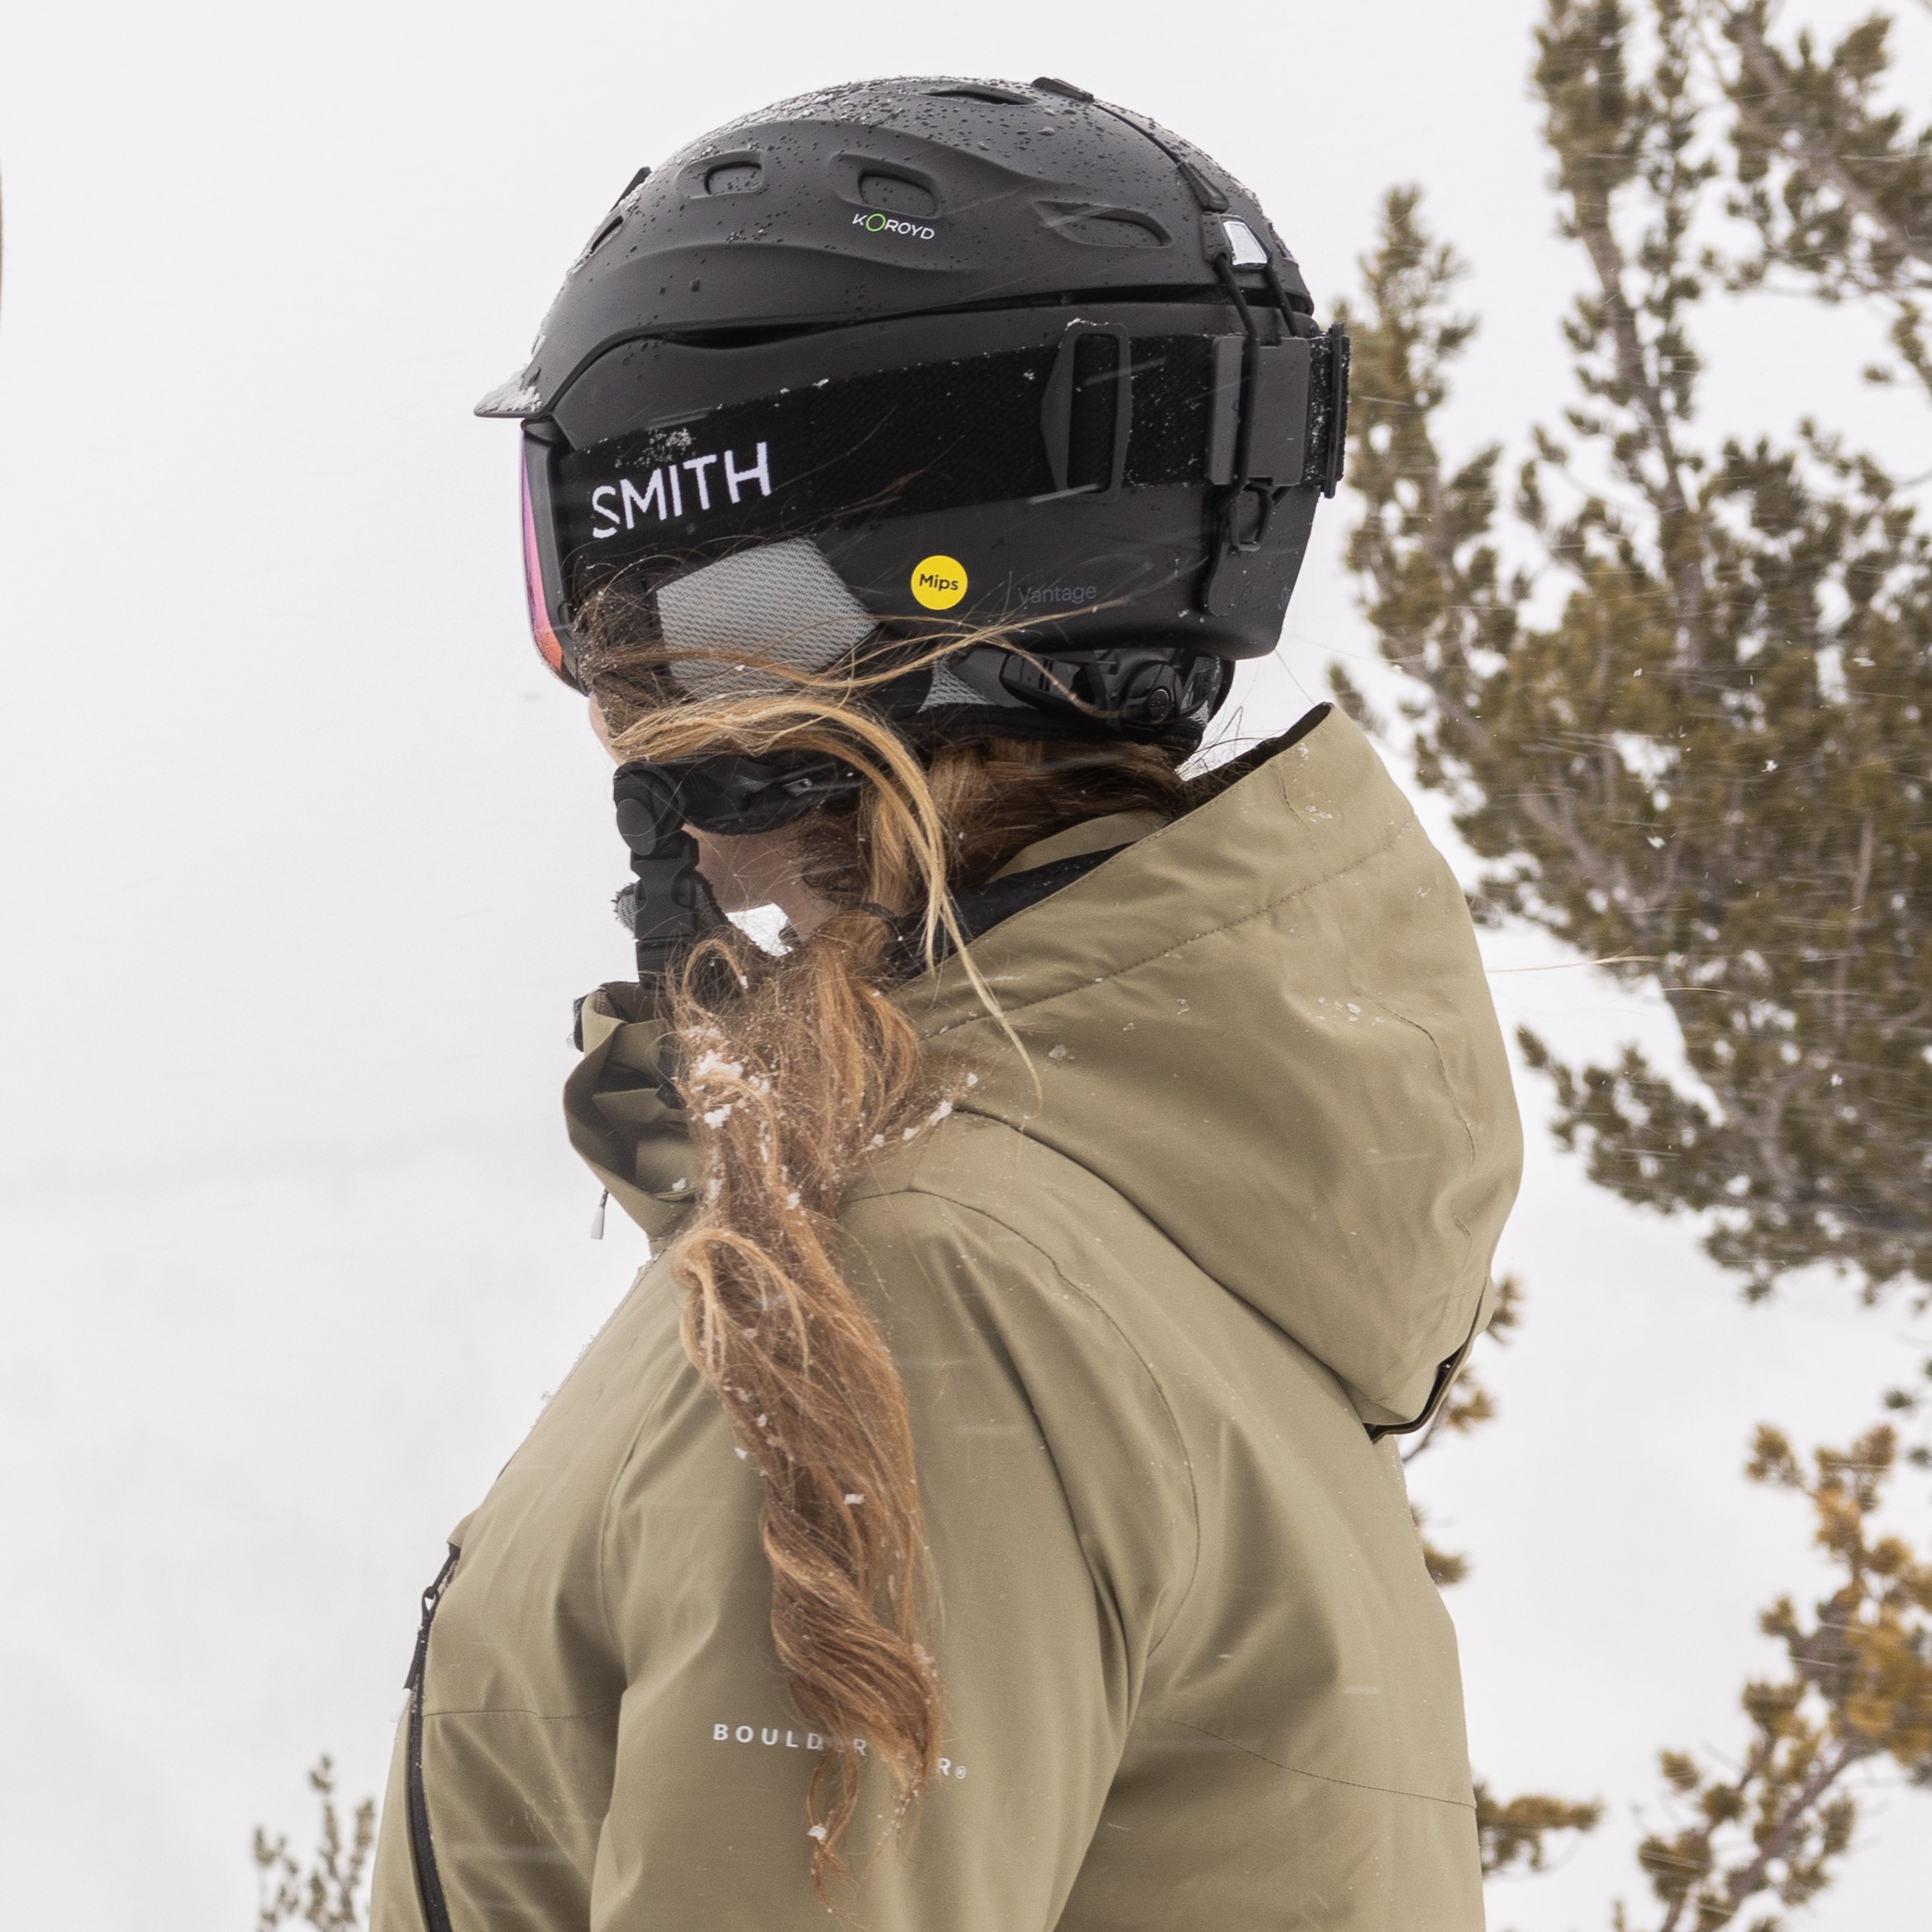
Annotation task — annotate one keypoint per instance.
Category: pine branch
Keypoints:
(1516, 1832)
(1780, 119)
(1611, 133)
(329, 1892)
(1859, 1690)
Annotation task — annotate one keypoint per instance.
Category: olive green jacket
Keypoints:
(1152, 1311)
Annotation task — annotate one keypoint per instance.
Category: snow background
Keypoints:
(304, 857)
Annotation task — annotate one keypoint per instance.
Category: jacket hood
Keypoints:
(1266, 1025)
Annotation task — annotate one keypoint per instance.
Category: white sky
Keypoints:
(304, 857)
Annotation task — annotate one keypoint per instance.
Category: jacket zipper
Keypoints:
(428, 1881)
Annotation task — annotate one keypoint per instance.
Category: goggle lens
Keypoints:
(549, 646)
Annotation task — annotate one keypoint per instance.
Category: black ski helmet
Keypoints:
(914, 353)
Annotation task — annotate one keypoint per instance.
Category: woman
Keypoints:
(984, 1512)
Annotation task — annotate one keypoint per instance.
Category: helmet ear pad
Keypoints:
(747, 624)
(737, 625)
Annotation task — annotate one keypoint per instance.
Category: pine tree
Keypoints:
(1708, 772)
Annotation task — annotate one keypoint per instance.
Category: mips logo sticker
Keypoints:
(939, 583)
(875, 223)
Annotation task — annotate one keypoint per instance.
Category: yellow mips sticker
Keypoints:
(939, 583)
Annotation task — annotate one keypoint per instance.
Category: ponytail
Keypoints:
(796, 1071)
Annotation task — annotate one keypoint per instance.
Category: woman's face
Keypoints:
(758, 869)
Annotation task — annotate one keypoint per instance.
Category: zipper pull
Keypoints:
(431, 1598)
(596, 1220)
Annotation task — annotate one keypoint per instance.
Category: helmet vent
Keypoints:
(896, 195)
(733, 178)
(604, 235)
(1004, 96)
(1103, 227)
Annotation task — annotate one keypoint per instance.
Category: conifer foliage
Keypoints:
(1679, 697)
(1709, 771)
(1858, 1687)
(328, 1890)
(1838, 186)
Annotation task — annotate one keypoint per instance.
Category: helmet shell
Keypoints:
(889, 197)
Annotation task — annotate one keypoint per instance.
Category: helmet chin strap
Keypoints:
(671, 907)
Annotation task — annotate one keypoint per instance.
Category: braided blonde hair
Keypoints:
(794, 1070)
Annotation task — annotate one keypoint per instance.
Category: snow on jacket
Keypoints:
(1151, 1315)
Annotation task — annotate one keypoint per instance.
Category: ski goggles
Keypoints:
(621, 486)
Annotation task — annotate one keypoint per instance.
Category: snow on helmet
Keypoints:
(906, 355)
